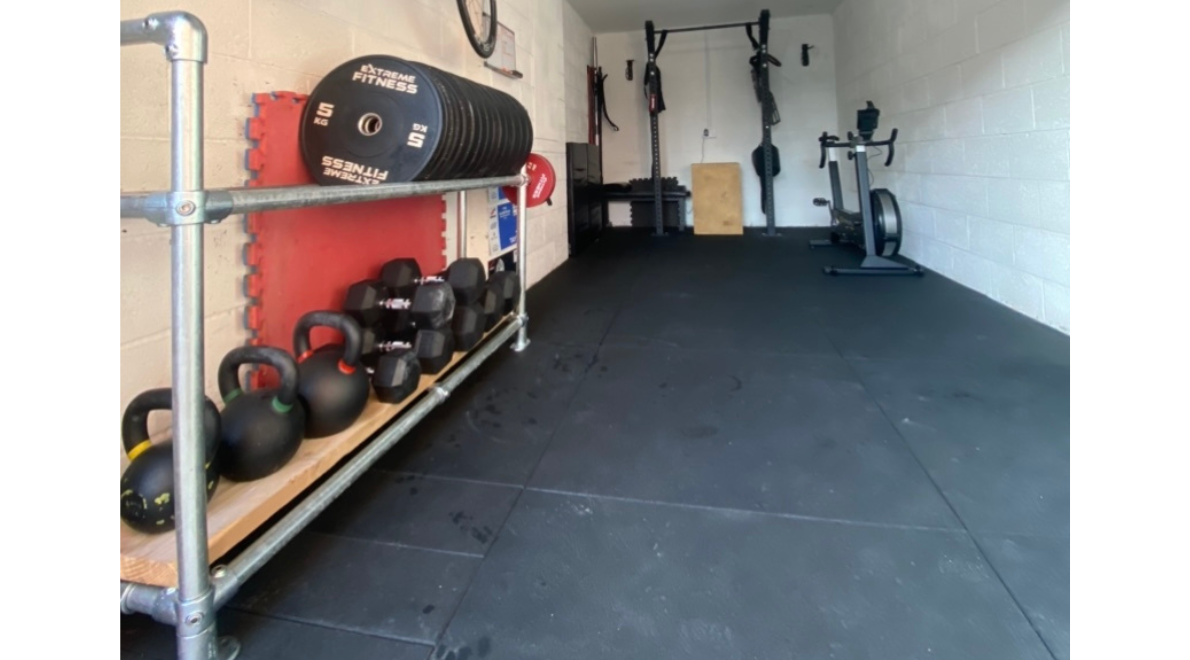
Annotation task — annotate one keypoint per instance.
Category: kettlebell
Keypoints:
(147, 487)
(332, 384)
(262, 429)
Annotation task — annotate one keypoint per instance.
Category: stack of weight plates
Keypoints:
(380, 119)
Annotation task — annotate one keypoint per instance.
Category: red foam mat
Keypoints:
(304, 259)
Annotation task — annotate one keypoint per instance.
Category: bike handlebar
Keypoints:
(827, 141)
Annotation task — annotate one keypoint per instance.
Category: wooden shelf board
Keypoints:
(238, 508)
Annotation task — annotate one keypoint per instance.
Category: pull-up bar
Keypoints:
(760, 78)
(713, 27)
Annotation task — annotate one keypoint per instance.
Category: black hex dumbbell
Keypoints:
(508, 287)
(466, 278)
(433, 349)
(500, 299)
(427, 307)
(468, 326)
(467, 281)
(394, 375)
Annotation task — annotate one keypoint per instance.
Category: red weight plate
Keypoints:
(542, 180)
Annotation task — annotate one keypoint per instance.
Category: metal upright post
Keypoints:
(865, 199)
(522, 260)
(461, 229)
(766, 110)
(658, 209)
(185, 40)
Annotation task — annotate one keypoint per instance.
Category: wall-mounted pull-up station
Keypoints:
(765, 158)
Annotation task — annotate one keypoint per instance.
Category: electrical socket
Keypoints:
(709, 133)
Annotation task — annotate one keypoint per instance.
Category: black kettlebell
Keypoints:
(332, 384)
(262, 429)
(147, 487)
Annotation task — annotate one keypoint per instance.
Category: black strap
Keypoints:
(653, 89)
(601, 100)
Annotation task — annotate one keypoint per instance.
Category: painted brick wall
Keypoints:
(980, 90)
(265, 45)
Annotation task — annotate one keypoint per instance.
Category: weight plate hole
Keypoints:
(370, 124)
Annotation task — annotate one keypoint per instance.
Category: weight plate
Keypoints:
(526, 145)
(468, 147)
(490, 120)
(375, 119)
(458, 134)
(542, 181)
(508, 134)
(477, 138)
(432, 170)
(516, 135)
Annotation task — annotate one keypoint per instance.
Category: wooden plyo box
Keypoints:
(718, 200)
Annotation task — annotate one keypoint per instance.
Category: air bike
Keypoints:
(876, 227)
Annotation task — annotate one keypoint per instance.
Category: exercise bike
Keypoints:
(876, 227)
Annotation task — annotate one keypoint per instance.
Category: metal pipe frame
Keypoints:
(185, 208)
(522, 261)
(157, 601)
(461, 228)
(224, 202)
(185, 40)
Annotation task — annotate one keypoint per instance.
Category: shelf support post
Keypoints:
(184, 38)
(522, 260)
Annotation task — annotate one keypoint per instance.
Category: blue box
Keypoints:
(502, 224)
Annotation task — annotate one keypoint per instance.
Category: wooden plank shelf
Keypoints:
(237, 509)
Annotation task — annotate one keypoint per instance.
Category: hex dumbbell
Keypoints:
(429, 307)
(394, 375)
(466, 278)
(433, 349)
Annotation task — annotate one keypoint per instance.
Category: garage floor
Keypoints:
(710, 451)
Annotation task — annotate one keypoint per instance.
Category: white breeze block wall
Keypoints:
(980, 90)
(707, 83)
(275, 45)
(578, 57)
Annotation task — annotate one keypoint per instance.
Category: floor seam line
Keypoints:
(325, 626)
(521, 490)
(770, 514)
(937, 487)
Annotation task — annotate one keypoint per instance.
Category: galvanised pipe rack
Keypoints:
(185, 209)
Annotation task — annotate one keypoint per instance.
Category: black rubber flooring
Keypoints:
(710, 450)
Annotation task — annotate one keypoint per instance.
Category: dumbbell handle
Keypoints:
(390, 346)
(396, 303)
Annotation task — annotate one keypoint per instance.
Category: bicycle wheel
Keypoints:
(479, 22)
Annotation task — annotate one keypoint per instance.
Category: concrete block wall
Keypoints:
(578, 57)
(980, 90)
(287, 45)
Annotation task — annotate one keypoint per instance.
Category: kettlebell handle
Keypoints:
(135, 425)
(229, 376)
(347, 326)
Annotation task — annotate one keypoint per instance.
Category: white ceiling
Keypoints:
(623, 15)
